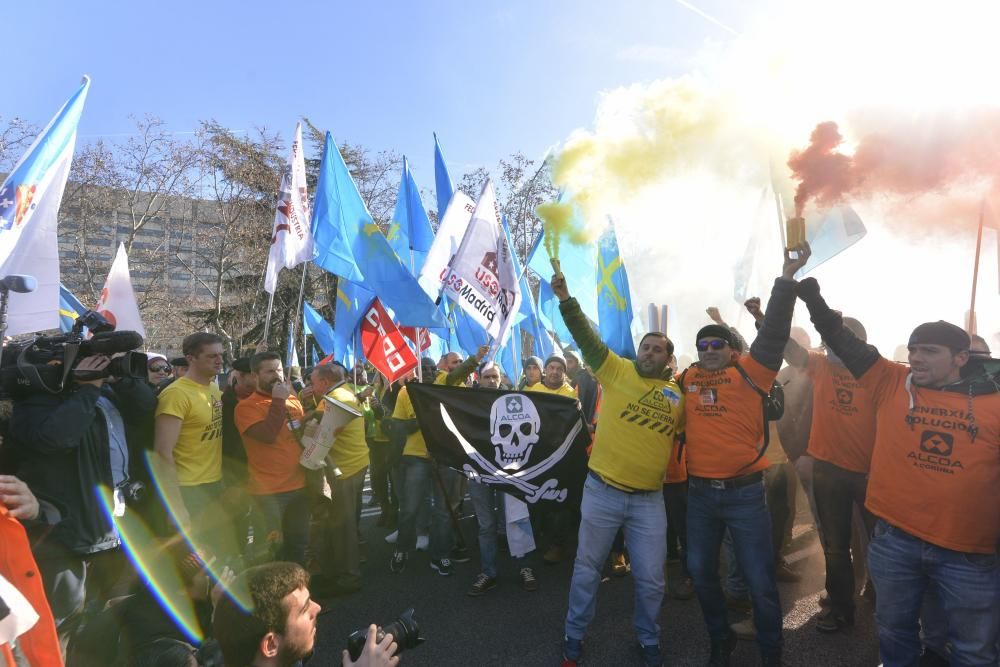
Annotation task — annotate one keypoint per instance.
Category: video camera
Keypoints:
(46, 364)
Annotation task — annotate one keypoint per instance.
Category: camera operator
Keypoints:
(70, 444)
(279, 628)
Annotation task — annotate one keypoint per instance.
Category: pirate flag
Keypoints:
(530, 445)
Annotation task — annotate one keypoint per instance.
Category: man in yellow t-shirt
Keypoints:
(642, 408)
(418, 472)
(349, 454)
(188, 445)
(553, 379)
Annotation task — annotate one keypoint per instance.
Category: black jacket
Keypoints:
(64, 454)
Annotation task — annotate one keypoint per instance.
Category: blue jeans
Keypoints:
(418, 483)
(641, 515)
(488, 503)
(744, 512)
(967, 587)
(288, 514)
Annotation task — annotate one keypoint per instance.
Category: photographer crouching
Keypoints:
(73, 401)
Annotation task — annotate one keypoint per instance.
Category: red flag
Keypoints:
(384, 345)
(413, 332)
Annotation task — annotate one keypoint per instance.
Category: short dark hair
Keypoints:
(263, 589)
(259, 358)
(182, 362)
(657, 334)
(193, 343)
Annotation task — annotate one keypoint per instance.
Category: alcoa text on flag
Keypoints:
(384, 345)
(482, 279)
(291, 238)
(117, 304)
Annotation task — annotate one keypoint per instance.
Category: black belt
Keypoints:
(731, 483)
(597, 478)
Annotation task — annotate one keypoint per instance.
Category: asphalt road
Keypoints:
(510, 626)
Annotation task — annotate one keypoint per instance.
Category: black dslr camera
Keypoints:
(46, 364)
(404, 630)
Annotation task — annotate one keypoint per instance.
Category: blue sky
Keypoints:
(489, 78)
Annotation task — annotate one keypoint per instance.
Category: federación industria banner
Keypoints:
(530, 445)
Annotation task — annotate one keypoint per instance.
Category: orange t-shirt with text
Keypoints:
(274, 467)
(928, 476)
(677, 471)
(724, 417)
(843, 416)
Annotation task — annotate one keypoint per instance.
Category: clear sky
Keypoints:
(490, 78)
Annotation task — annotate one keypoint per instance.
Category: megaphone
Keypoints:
(318, 439)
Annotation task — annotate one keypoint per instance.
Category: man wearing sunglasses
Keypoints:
(723, 439)
(642, 407)
(934, 487)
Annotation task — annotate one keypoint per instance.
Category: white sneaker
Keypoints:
(423, 541)
(392, 537)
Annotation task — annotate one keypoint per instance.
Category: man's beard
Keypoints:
(289, 655)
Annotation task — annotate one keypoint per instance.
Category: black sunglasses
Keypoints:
(716, 344)
(161, 369)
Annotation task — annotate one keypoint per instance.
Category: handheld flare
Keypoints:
(795, 232)
(557, 267)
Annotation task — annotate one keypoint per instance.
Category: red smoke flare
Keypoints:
(951, 157)
(823, 174)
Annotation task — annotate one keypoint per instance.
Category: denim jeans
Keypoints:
(744, 512)
(642, 516)
(288, 514)
(418, 483)
(210, 526)
(488, 503)
(837, 491)
(967, 586)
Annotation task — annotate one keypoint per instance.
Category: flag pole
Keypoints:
(971, 324)
(298, 309)
(267, 319)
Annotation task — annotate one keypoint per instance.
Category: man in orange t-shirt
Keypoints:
(724, 429)
(934, 486)
(841, 440)
(277, 481)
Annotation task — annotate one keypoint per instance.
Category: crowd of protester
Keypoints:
(196, 469)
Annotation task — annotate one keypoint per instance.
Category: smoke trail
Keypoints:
(914, 161)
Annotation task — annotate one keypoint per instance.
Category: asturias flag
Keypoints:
(29, 206)
(350, 244)
(70, 308)
(614, 302)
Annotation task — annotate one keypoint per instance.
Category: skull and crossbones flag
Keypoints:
(530, 445)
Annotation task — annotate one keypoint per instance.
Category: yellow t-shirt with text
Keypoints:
(415, 443)
(198, 452)
(639, 418)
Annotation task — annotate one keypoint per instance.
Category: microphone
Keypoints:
(21, 284)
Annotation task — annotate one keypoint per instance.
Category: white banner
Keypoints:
(291, 238)
(482, 280)
(117, 303)
(446, 242)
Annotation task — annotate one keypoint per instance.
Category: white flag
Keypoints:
(117, 303)
(291, 238)
(482, 280)
(29, 207)
(449, 237)
(22, 616)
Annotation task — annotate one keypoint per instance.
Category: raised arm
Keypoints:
(769, 345)
(594, 351)
(795, 354)
(857, 355)
(465, 369)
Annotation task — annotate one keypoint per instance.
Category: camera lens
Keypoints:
(405, 632)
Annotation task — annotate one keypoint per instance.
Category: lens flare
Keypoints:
(156, 567)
